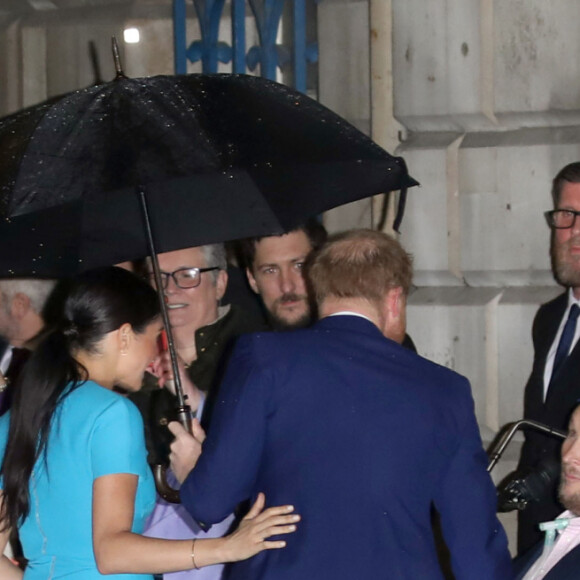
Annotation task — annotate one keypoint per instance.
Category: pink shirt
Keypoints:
(566, 541)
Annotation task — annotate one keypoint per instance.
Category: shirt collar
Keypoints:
(574, 520)
(572, 299)
(350, 313)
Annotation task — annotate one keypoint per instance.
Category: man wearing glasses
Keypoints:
(553, 388)
(194, 282)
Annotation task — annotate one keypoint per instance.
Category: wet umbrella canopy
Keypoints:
(208, 158)
(219, 157)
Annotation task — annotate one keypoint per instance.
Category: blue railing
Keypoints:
(269, 55)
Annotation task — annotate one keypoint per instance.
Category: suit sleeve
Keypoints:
(226, 472)
(466, 502)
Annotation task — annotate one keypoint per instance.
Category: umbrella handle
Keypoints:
(163, 488)
(160, 471)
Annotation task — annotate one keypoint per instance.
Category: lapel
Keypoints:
(523, 563)
(553, 320)
(568, 568)
(545, 327)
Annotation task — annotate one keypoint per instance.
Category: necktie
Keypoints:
(565, 339)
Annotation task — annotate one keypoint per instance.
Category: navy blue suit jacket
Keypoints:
(555, 411)
(362, 436)
(568, 568)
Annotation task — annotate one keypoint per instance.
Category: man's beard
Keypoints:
(566, 267)
(569, 501)
(279, 323)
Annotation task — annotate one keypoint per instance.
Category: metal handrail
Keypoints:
(510, 430)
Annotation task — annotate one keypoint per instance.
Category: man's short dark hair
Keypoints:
(568, 174)
(313, 228)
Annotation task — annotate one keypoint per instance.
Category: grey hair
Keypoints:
(215, 255)
(36, 289)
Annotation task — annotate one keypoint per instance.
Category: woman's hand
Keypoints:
(250, 538)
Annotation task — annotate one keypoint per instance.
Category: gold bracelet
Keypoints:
(193, 555)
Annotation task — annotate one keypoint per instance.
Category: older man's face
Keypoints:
(192, 308)
(566, 242)
(277, 277)
(570, 478)
(6, 319)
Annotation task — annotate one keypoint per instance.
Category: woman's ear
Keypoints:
(125, 337)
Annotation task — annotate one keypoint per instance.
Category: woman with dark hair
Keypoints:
(74, 475)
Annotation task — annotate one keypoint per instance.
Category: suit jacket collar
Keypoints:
(560, 307)
(565, 569)
(350, 323)
(523, 563)
(553, 320)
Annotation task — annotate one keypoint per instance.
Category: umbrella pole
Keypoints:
(183, 409)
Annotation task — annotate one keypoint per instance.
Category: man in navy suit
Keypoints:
(274, 268)
(361, 435)
(562, 561)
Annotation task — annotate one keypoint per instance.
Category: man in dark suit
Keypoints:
(554, 384)
(562, 560)
(22, 305)
(361, 435)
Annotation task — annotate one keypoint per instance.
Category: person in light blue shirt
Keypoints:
(74, 478)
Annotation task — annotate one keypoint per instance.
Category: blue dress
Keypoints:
(95, 432)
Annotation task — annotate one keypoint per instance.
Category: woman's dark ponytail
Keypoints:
(37, 391)
(99, 302)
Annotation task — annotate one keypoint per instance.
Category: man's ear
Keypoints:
(221, 284)
(396, 302)
(20, 305)
(393, 314)
(252, 280)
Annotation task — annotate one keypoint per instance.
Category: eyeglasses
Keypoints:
(561, 219)
(183, 278)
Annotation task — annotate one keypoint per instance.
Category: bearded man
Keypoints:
(553, 389)
(560, 559)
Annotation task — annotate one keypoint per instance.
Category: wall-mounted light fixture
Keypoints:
(131, 35)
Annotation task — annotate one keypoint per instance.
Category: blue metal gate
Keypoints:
(269, 55)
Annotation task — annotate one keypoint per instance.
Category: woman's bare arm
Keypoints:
(119, 551)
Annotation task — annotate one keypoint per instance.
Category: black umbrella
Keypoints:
(220, 157)
(86, 179)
